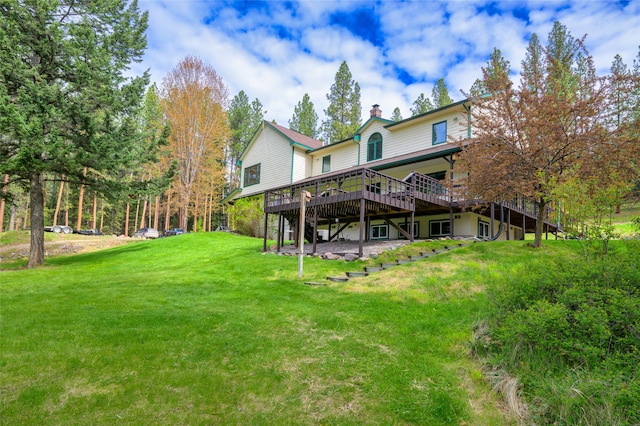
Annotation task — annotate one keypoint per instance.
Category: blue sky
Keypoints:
(277, 51)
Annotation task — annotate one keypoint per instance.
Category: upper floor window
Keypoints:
(439, 133)
(374, 147)
(252, 175)
(326, 164)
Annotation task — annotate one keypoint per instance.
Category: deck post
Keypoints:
(493, 217)
(524, 224)
(315, 228)
(360, 242)
(266, 229)
(279, 232)
(412, 222)
(508, 223)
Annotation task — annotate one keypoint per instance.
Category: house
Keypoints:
(384, 182)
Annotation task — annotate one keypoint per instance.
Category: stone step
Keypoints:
(386, 265)
(314, 283)
(357, 274)
(373, 268)
(403, 261)
(338, 279)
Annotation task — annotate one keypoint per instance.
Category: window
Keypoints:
(439, 133)
(405, 228)
(326, 163)
(252, 175)
(483, 229)
(379, 232)
(439, 228)
(374, 147)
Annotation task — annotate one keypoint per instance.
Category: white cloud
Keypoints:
(278, 51)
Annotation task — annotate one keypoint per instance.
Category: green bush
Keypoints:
(580, 316)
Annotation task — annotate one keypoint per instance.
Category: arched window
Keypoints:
(374, 147)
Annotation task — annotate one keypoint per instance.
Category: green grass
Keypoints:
(206, 329)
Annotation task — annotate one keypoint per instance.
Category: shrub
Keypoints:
(567, 317)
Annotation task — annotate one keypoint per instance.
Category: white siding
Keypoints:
(273, 152)
(301, 164)
(343, 156)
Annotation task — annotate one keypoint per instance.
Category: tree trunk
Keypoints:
(36, 199)
(541, 205)
(144, 212)
(94, 222)
(80, 198)
(101, 214)
(126, 220)
(167, 216)
(60, 191)
(4, 191)
(155, 218)
(12, 218)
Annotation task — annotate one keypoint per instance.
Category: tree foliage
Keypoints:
(396, 115)
(244, 118)
(421, 105)
(195, 100)
(305, 119)
(65, 103)
(440, 94)
(344, 111)
(557, 124)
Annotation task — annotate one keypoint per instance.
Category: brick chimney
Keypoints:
(376, 111)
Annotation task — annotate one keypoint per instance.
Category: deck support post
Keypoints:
(362, 225)
(315, 229)
(508, 223)
(266, 230)
(412, 222)
(524, 225)
(493, 217)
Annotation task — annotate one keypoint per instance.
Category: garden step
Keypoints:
(403, 261)
(314, 283)
(373, 268)
(338, 279)
(357, 274)
(386, 265)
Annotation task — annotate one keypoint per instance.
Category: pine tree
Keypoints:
(344, 111)
(421, 105)
(440, 94)
(305, 119)
(65, 100)
(244, 118)
(396, 116)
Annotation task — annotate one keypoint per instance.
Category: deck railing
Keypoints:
(357, 184)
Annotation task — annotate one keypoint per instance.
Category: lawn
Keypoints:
(206, 329)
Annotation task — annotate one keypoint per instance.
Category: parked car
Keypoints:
(93, 231)
(146, 233)
(172, 231)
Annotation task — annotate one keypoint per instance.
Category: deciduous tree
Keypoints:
(554, 127)
(195, 103)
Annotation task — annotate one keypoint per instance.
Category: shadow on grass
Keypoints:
(98, 256)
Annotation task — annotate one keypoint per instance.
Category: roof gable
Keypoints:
(292, 137)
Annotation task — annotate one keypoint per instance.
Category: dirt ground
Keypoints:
(57, 244)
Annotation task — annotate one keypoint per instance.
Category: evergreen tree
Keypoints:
(305, 119)
(440, 94)
(396, 116)
(344, 112)
(65, 102)
(244, 118)
(421, 105)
